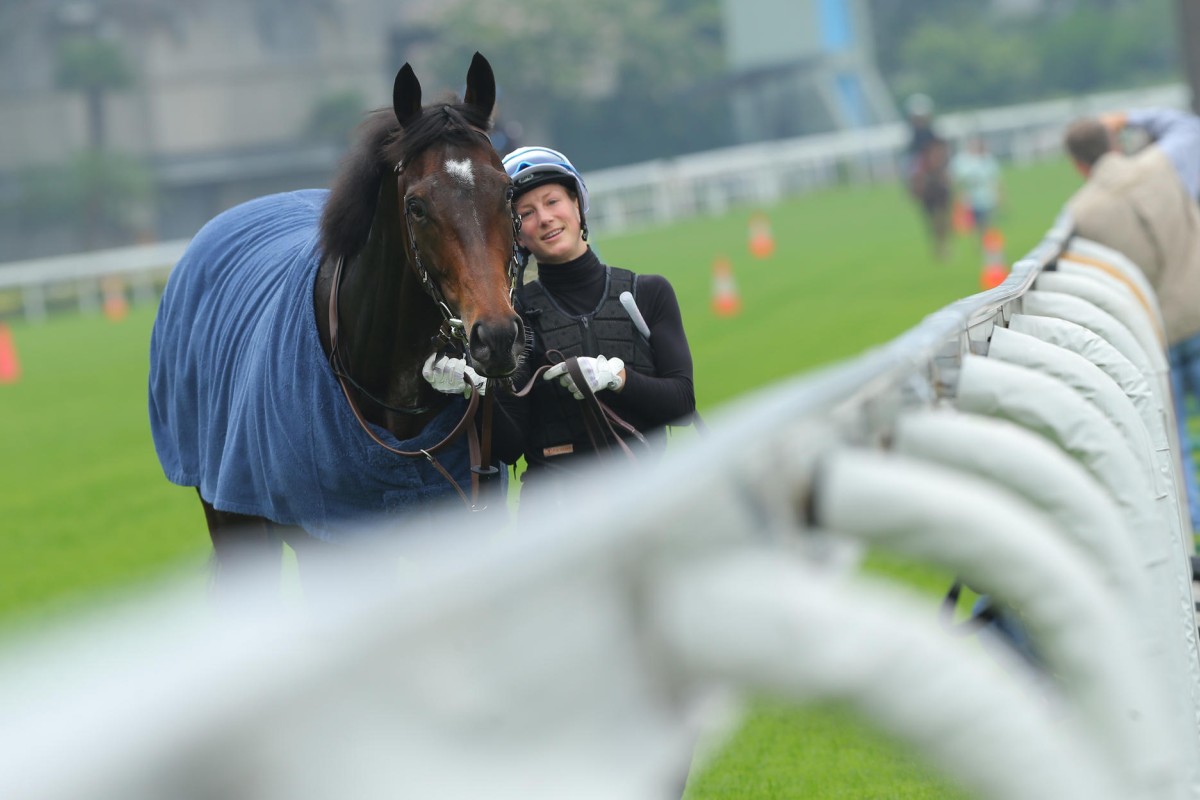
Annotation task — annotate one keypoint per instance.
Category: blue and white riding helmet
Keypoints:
(532, 166)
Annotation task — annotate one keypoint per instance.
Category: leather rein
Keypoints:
(600, 421)
(452, 331)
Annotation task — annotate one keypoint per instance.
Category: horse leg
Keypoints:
(240, 542)
(941, 226)
(319, 563)
(243, 543)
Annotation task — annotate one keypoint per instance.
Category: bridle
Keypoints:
(452, 333)
(452, 327)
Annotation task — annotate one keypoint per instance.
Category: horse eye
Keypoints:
(508, 194)
(415, 208)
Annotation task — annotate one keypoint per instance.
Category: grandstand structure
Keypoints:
(1021, 438)
(802, 66)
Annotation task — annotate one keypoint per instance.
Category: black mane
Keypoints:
(350, 209)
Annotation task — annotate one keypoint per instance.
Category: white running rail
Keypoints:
(1019, 438)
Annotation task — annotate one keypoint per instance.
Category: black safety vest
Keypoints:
(558, 430)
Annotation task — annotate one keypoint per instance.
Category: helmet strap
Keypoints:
(583, 228)
(522, 263)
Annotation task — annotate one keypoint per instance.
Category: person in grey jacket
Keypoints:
(1144, 205)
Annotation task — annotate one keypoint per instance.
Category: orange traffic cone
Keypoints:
(762, 243)
(725, 302)
(994, 269)
(10, 367)
(116, 307)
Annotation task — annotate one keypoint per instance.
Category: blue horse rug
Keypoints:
(243, 402)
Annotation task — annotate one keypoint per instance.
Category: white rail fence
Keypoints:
(35, 287)
(1021, 438)
(635, 196)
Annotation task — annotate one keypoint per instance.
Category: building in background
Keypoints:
(802, 66)
(228, 100)
(218, 101)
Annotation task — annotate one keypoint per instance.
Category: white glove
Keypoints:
(445, 374)
(599, 372)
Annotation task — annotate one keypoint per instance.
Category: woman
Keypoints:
(641, 369)
(976, 175)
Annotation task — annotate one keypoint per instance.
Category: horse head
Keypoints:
(455, 201)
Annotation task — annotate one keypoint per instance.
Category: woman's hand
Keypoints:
(599, 372)
(450, 375)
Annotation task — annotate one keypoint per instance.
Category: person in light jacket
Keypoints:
(1144, 205)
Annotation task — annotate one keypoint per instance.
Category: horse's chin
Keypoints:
(504, 363)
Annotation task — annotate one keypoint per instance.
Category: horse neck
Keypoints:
(386, 322)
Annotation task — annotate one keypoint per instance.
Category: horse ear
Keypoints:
(481, 86)
(406, 96)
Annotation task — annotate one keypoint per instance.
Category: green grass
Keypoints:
(85, 505)
(851, 269)
(86, 509)
(823, 751)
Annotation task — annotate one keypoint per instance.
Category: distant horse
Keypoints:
(285, 360)
(929, 183)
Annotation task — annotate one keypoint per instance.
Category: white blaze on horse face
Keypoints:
(461, 171)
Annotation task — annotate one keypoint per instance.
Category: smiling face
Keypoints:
(551, 226)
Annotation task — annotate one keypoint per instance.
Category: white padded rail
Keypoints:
(1076, 309)
(1115, 300)
(1116, 281)
(1002, 546)
(1017, 459)
(782, 628)
(1098, 256)
(1098, 389)
(1016, 438)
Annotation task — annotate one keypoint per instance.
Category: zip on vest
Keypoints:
(589, 338)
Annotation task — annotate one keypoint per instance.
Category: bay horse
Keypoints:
(286, 356)
(929, 184)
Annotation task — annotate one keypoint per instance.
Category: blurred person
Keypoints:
(926, 167)
(1144, 206)
(976, 176)
(573, 308)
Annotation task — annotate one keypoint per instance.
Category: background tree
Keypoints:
(969, 55)
(1188, 17)
(94, 67)
(1091, 49)
(966, 64)
(106, 191)
(611, 81)
(106, 196)
(335, 116)
(893, 23)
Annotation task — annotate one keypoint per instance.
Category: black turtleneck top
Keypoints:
(648, 402)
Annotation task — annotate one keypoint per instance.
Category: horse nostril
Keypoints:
(476, 342)
(495, 346)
